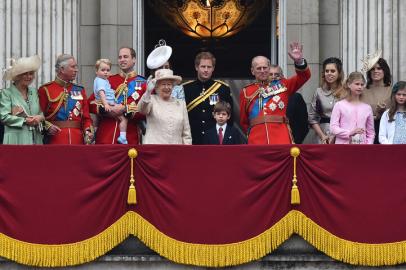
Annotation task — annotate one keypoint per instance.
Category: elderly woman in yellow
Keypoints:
(167, 117)
(19, 105)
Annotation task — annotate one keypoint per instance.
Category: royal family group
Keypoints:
(362, 108)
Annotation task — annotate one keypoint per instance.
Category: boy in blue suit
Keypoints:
(222, 133)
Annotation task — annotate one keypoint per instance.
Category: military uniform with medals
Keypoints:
(128, 90)
(200, 99)
(263, 108)
(64, 104)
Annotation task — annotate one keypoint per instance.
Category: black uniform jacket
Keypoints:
(200, 110)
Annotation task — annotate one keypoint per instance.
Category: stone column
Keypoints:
(303, 25)
(138, 34)
(106, 25)
(46, 28)
(371, 25)
(116, 27)
(89, 41)
(330, 42)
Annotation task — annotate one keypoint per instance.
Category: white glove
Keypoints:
(151, 82)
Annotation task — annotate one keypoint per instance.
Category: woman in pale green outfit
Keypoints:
(19, 105)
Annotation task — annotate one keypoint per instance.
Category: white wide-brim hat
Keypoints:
(369, 61)
(159, 56)
(167, 74)
(21, 66)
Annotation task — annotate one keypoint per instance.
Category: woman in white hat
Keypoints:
(19, 106)
(167, 117)
(159, 59)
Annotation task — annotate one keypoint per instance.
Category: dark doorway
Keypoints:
(233, 54)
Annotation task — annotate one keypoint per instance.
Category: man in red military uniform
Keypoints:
(263, 104)
(65, 106)
(128, 87)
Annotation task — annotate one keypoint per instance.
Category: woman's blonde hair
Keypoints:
(356, 75)
(104, 61)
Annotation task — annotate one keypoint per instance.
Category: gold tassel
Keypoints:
(132, 195)
(295, 195)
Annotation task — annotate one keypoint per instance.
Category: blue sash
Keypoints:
(275, 85)
(64, 111)
(257, 108)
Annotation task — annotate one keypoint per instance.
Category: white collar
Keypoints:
(223, 126)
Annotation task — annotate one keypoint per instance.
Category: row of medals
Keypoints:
(213, 98)
(273, 89)
(75, 95)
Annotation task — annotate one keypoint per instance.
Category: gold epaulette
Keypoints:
(226, 84)
(187, 82)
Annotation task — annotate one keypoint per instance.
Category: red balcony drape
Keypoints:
(201, 205)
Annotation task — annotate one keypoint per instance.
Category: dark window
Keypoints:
(233, 54)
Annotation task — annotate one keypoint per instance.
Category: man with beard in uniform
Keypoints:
(202, 94)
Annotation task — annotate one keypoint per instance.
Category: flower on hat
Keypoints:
(370, 60)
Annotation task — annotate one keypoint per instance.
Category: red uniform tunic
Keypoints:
(263, 109)
(65, 105)
(108, 129)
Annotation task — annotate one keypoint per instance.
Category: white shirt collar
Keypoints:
(223, 126)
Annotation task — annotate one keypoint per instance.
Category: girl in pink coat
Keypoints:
(352, 121)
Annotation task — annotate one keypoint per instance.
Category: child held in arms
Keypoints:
(105, 94)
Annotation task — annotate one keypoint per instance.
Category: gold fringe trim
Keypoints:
(65, 254)
(203, 254)
(347, 251)
(211, 255)
(257, 247)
